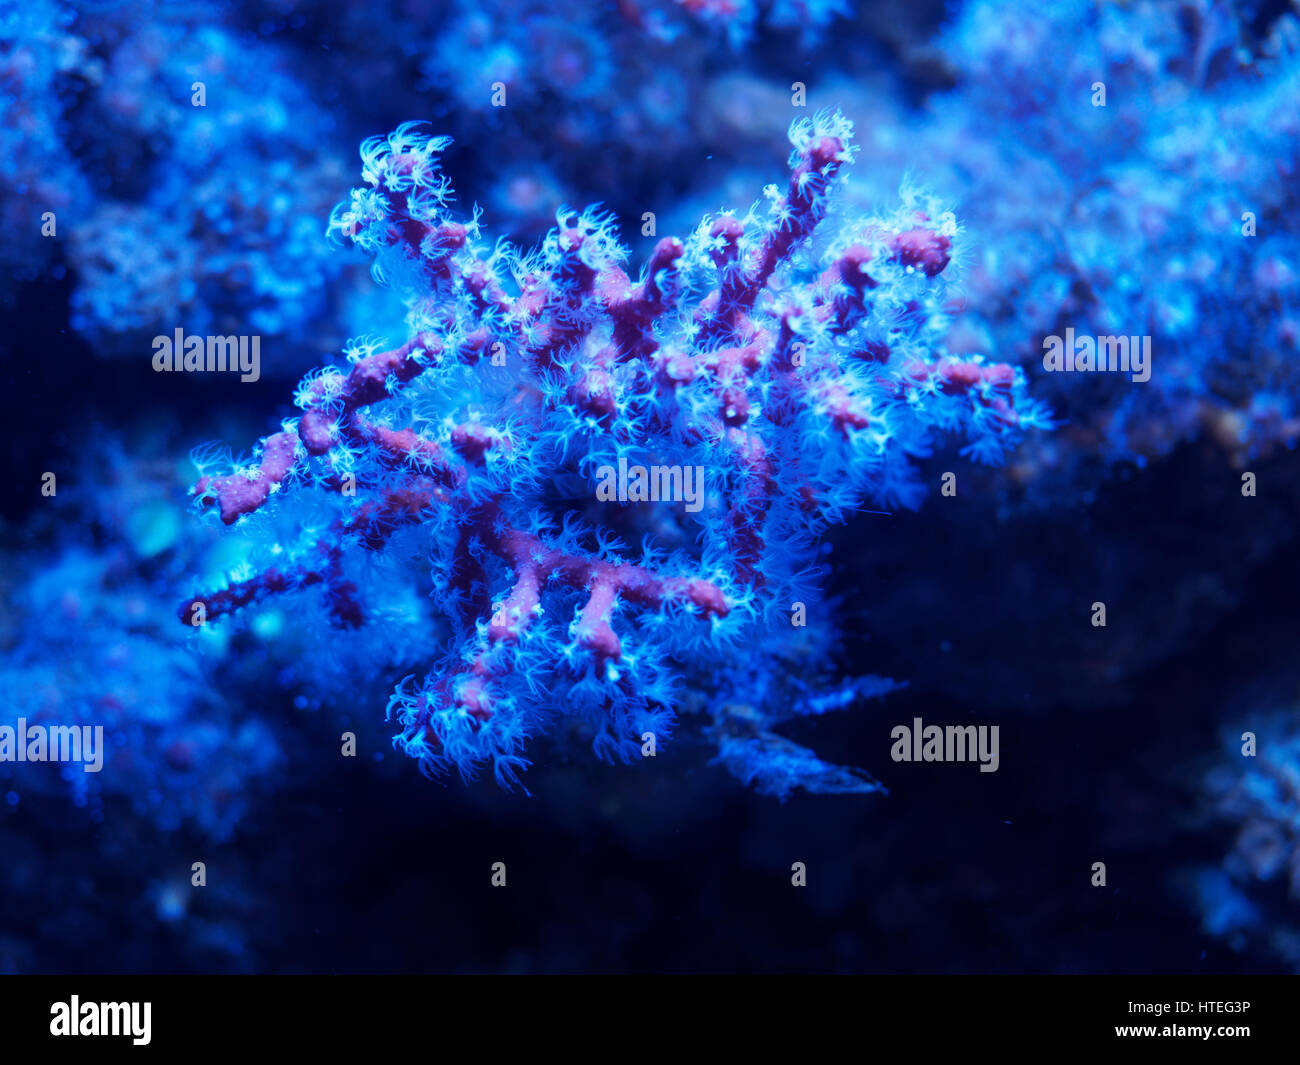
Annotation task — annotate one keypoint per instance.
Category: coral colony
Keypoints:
(619, 479)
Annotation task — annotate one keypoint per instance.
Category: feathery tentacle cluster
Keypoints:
(619, 480)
